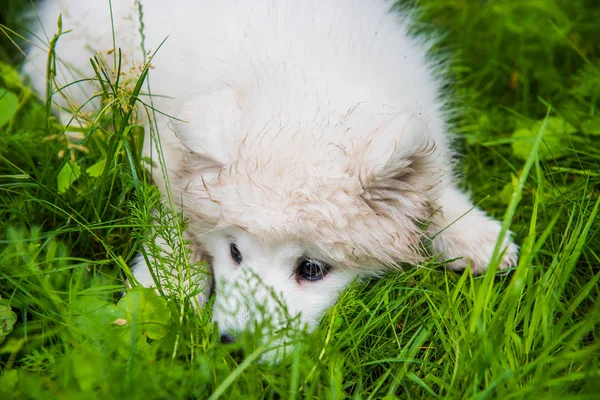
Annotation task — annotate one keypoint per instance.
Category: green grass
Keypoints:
(526, 79)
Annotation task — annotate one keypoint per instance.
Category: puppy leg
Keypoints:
(168, 277)
(467, 235)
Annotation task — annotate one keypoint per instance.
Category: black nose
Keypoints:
(226, 338)
(236, 353)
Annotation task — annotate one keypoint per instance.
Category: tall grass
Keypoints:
(525, 79)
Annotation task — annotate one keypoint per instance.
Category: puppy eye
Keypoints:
(236, 255)
(311, 270)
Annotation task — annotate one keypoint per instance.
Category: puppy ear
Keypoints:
(401, 171)
(208, 124)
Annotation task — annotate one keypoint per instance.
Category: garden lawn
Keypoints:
(75, 204)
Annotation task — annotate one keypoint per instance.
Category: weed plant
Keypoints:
(76, 206)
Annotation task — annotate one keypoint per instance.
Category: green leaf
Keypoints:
(67, 175)
(148, 311)
(85, 365)
(94, 315)
(8, 106)
(556, 139)
(8, 382)
(96, 170)
(10, 77)
(137, 344)
(506, 193)
(591, 127)
(7, 321)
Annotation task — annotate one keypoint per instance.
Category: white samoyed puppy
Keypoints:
(305, 141)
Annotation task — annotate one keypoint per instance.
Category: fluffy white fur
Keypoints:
(304, 129)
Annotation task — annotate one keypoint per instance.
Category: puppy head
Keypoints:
(293, 209)
(272, 288)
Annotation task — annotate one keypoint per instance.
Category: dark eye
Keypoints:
(235, 253)
(312, 270)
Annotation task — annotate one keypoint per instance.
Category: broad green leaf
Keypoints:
(8, 382)
(107, 322)
(67, 175)
(10, 77)
(556, 139)
(147, 310)
(96, 170)
(8, 106)
(93, 314)
(507, 191)
(7, 321)
(137, 344)
(591, 127)
(85, 365)
(32, 117)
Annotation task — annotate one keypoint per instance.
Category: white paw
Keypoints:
(472, 242)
